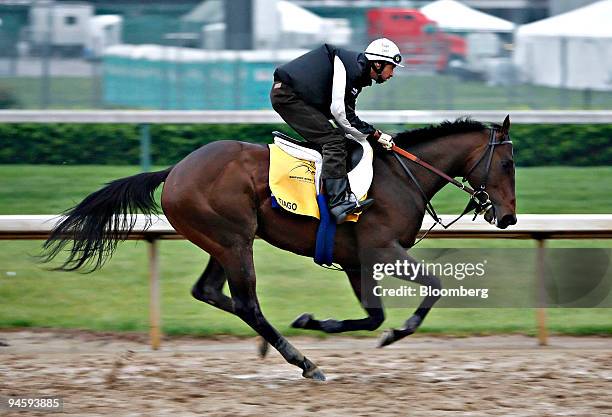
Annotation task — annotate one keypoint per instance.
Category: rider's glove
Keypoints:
(386, 141)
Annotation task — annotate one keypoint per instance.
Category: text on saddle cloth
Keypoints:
(295, 171)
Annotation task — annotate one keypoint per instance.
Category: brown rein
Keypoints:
(432, 168)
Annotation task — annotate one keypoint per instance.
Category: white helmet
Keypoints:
(384, 50)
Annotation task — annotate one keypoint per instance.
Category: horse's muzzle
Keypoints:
(506, 220)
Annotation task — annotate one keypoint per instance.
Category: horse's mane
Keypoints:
(446, 128)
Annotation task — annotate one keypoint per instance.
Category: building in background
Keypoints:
(190, 54)
(149, 21)
(484, 34)
(570, 50)
(487, 39)
(556, 7)
(64, 29)
(517, 11)
(61, 27)
(263, 24)
(163, 77)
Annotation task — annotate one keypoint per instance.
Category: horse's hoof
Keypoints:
(387, 338)
(263, 347)
(302, 321)
(314, 373)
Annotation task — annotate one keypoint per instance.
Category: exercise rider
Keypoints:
(316, 94)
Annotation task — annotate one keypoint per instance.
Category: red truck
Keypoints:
(420, 40)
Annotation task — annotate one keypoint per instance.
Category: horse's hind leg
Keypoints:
(240, 271)
(209, 287)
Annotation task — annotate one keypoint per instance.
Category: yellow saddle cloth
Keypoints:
(292, 182)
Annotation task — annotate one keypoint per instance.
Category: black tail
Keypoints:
(102, 219)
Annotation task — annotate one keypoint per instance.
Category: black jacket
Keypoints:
(330, 79)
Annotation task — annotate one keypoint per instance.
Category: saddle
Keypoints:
(295, 173)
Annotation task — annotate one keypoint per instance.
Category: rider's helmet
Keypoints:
(384, 50)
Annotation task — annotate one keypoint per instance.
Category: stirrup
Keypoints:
(358, 207)
(362, 205)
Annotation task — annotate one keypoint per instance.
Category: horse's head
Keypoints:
(492, 172)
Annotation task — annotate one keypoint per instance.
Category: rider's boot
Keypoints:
(342, 201)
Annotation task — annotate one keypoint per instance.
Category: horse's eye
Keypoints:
(507, 165)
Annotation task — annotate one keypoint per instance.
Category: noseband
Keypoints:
(480, 195)
(479, 198)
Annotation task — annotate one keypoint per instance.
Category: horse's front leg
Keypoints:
(363, 289)
(414, 322)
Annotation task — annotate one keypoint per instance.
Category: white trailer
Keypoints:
(64, 27)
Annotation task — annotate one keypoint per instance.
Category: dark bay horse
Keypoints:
(218, 197)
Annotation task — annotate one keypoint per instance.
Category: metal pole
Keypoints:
(47, 44)
(145, 147)
(449, 93)
(96, 80)
(154, 297)
(236, 84)
(540, 282)
(563, 56)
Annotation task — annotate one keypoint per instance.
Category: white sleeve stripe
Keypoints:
(337, 105)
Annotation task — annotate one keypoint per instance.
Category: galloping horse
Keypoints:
(219, 198)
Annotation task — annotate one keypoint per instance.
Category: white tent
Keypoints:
(572, 50)
(454, 16)
(296, 20)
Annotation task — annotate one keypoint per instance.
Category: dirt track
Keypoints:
(105, 374)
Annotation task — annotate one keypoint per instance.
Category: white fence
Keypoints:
(530, 226)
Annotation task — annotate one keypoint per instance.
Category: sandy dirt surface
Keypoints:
(119, 375)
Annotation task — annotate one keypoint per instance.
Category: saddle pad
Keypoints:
(292, 182)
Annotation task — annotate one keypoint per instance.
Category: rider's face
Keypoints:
(384, 75)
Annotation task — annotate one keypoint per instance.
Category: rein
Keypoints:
(479, 199)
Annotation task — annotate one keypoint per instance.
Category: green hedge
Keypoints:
(576, 145)
(114, 144)
(535, 145)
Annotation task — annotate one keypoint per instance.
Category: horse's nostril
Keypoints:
(508, 220)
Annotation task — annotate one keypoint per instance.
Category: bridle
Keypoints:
(479, 199)
(481, 194)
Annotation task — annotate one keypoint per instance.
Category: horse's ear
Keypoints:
(506, 125)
